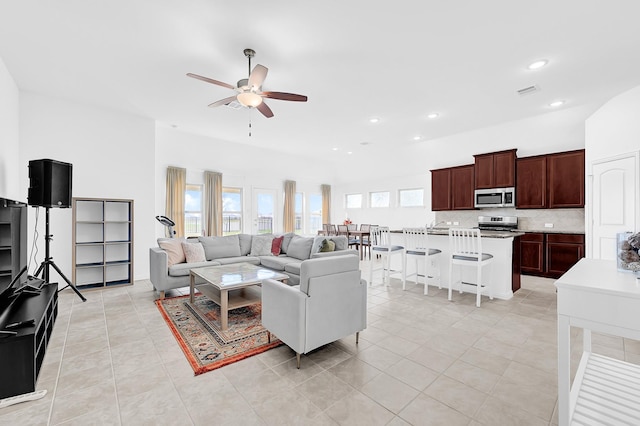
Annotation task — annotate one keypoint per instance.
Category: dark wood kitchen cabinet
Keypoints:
(550, 181)
(550, 255)
(563, 251)
(532, 253)
(565, 174)
(531, 182)
(495, 170)
(452, 188)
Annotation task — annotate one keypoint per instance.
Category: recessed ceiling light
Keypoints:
(334, 149)
(433, 115)
(365, 143)
(417, 138)
(556, 104)
(538, 64)
(374, 120)
(349, 152)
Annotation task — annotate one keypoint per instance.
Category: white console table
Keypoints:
(594, 296)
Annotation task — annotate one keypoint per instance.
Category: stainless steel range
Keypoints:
(498, 223)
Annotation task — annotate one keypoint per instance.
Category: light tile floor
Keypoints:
(422, 360)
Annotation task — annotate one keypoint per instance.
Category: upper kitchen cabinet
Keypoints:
(550, 181)
(495, 170)
(565, 174)
(452, 188)
(531, 182)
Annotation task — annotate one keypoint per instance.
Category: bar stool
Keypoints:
(465, 247)
(381, 245)
(416, 245)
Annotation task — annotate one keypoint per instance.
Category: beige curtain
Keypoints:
(289, 206)
(176, 186)
(326, 203)
(213, 203)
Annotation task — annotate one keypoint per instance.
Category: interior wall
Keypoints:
(241, 166)
(612, 130)
(547, 133)
(9, 136)
(113, 157)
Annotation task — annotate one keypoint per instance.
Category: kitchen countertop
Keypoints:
(484, 234)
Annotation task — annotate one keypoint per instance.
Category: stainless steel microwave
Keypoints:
(495, 197)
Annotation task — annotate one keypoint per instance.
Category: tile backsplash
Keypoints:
(563, 220)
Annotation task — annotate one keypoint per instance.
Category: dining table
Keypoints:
(360, 234)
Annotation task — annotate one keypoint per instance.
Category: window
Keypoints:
(379, 199)
(193, 210)
(299, 226)
(411, 197)
(315, 213)
(353, 201)
(231, 211)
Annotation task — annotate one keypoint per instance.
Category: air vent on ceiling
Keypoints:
(528, 90)
(234, 105)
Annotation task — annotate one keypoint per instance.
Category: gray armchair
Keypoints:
(330, 303)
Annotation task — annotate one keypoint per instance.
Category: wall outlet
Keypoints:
(448, 223)
(456, 223)
(548, 225)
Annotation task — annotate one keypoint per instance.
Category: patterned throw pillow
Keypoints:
(327, 246)
(261, 245)
(194, 252)
(173, 247)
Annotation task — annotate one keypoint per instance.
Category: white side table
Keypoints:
(594, 296)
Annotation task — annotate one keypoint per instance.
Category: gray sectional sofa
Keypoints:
(254, 249)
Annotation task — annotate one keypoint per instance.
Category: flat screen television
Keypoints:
(13, 248)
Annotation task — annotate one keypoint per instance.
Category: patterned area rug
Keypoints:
(198, 332)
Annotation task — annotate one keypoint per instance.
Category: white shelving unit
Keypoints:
(594, 296)
(102, 242)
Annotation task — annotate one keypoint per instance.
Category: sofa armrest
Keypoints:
(335, 253)
(158, 267)
(283, 313)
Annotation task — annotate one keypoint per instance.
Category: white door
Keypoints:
(264, 211)
(614, 206)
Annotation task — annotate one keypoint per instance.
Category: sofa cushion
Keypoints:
(286, 241)
(173, 247)
(245, 244)
(300, 247)
(183, 269)
(293, 268)
(277, 263)
(261, 245)
(327, 246)
(194, 252)
(217, 247)
(276, 245)
(248, 259)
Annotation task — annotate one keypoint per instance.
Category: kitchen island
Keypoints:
(503, 272)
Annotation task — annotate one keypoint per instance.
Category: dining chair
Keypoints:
(465, 249)
(383, 247)
(365, 240)
(344, 230)
(416, 245)
(332, 230)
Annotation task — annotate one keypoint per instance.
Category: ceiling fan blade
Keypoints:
(224, 101)
(265, 110)
(285, 96)
(257, 76)
(212, 81)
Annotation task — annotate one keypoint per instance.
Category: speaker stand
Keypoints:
(48, 261)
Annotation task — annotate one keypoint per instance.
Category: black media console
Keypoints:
(21, 355)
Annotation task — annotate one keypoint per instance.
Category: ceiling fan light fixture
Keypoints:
(249, 99)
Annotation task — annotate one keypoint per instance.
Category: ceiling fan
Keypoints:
(249, 90)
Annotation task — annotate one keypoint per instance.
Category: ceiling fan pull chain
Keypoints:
(249, 123)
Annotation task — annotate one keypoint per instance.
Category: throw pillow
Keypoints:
(261, 245)
(173, 247)
(300, 248)
(194, 252)
(220, 247)
(276, 245)
(285, 242)
(327, 246)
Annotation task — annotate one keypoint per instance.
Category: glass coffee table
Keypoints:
(231, 286)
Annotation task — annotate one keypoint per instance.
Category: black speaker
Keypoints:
(49, 183)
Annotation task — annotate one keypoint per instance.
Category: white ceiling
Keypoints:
(397, 60)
